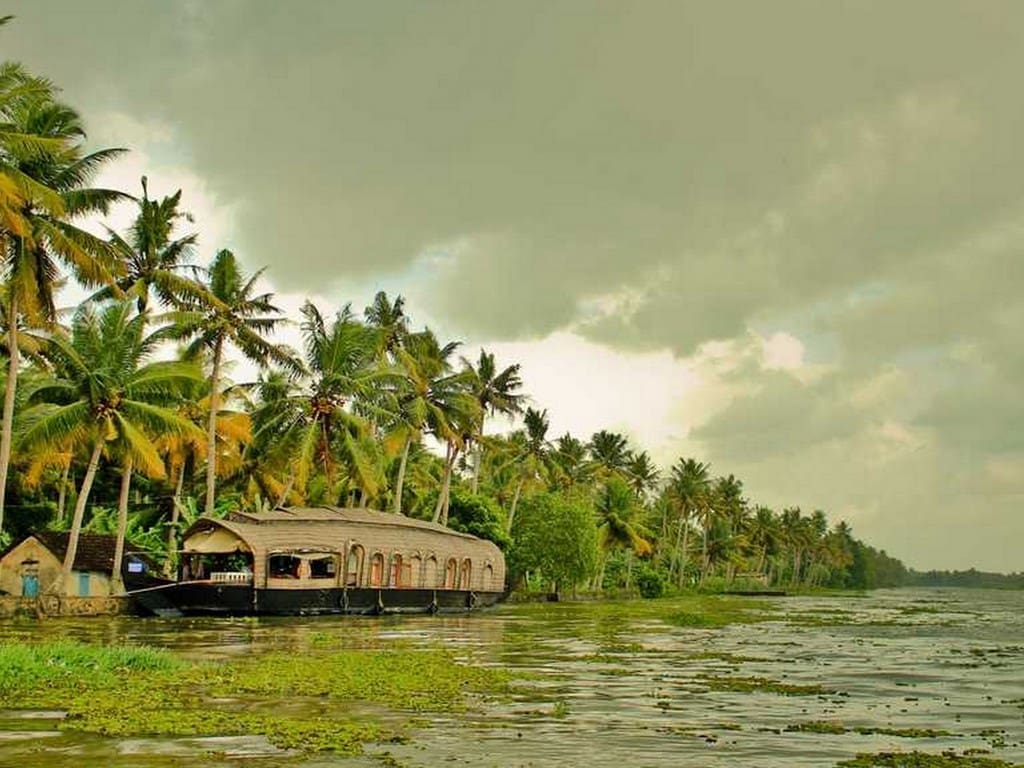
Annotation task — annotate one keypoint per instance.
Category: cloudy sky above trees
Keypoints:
(785, 238)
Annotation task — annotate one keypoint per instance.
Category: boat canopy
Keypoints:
(215, 541)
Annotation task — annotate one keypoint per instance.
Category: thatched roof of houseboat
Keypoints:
(295, 528)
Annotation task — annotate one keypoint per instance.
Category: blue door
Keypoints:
(30, 585)
(83, 584)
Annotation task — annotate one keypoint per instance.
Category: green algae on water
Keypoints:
(923, 760)
(831, 727)
(736, 684)
(312, 702)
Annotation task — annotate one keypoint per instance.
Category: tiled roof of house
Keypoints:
(95, 550)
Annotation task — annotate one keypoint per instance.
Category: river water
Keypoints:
(610, 687)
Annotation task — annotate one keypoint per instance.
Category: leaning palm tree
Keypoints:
(230, 312)
(107, 396)
(496, 392)
(619, 523)
(530, 454)
(51, 173)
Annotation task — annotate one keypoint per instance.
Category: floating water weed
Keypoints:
(758, 685)
(922, 760)
(143, 691)
(830, 727)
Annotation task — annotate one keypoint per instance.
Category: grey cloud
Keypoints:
(845, 172)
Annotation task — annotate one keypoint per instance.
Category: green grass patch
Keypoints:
(311, 702)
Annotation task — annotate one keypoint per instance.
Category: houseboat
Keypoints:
(326, 560)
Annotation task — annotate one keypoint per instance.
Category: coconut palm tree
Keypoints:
(389, 318)
(496, 393)
(183, 452)
(642, 474)
(155, 261)
(41, 151)
(569, 460)
(107, 396)
(16, 188)
(327, 420)
(531, 455)
(230, 312)
(688, 489)
(763, 535)
(609, 453)
(619, 523)
(427, 396)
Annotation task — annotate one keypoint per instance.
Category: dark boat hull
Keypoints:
(204, 598)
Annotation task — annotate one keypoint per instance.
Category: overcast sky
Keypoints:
(785, 237)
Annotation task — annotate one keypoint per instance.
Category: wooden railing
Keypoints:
(231, 577)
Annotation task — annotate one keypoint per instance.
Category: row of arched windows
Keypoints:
(412, 572)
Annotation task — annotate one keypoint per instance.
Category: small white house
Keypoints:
(32, 567)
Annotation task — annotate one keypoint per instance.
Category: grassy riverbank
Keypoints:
(326, 700)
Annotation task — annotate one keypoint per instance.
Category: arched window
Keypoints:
(396, 580)
(414, 572)
(430, 573)
(354, 566)
(377, 570)
(451, 573)
(488, 585)
(466, 575)
(283, 566)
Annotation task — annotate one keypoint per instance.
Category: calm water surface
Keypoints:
(611, 689)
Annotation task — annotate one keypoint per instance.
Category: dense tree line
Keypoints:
(970, 578)
(99, 433)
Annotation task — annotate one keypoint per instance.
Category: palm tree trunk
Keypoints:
(441, 510)
(448, 486)
(477, 457)
(211, 434)
(116, 582)
(6, 434)
(515, 503)
(400, 483)
(76, 520)
(444, 482)
(62, 495)
(794, 577)
(706, 562)
(172, 530)
(283, 499)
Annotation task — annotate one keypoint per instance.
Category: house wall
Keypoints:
(49, 571)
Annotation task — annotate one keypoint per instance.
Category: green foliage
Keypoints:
(970, 578)
(479, 516)
(650, 583)
(53, 666)
(555, 535)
